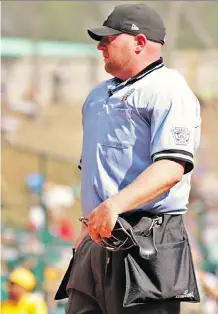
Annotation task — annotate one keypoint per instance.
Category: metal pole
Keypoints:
(44, 231)
(35, 79)
(173, 28)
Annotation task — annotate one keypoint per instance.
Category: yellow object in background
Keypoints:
(29, 304)
(51, 274)
(24, 278)
(20, 298)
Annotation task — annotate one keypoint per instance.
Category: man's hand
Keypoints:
(102, 221)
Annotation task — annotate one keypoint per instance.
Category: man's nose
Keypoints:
(101, 46)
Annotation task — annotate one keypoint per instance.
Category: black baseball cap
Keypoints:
(132, 19)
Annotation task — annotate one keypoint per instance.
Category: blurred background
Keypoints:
(48, 66)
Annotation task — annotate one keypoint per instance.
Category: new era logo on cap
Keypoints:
(134, 27)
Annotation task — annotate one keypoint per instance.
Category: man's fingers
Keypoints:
(105, 233)
(97, 230)
(95, 237)
(93, 233)
(108, 235)
(90, 227)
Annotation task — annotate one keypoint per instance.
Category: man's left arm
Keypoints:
(156, 180)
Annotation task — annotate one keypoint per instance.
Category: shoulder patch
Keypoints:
(181, 135)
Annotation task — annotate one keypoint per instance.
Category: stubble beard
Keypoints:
(111, 68)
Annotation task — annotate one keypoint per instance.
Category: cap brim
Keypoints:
(98, 33)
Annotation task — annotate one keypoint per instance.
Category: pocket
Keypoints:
(114, 128)
(169, 276)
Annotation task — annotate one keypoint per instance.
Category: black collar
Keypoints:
(147, 70)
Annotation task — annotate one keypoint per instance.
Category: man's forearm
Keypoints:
(159, 178)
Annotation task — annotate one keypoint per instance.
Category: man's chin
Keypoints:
(109, 69)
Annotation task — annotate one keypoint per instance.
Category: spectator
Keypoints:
(21, 299)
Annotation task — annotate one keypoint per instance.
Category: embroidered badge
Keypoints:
(181, 135)
(125, 96)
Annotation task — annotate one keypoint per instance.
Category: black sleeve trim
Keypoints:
(173, 151)
(188, 164)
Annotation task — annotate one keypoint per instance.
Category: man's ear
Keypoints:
(140, 42)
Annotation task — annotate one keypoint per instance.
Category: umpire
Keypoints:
(141, 131)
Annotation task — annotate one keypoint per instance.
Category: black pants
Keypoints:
(96, 278)
(81, 303)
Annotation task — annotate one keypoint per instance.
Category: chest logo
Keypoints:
(127, 94)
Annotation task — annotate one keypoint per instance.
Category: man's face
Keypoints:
(118, 52)
(15, 291)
